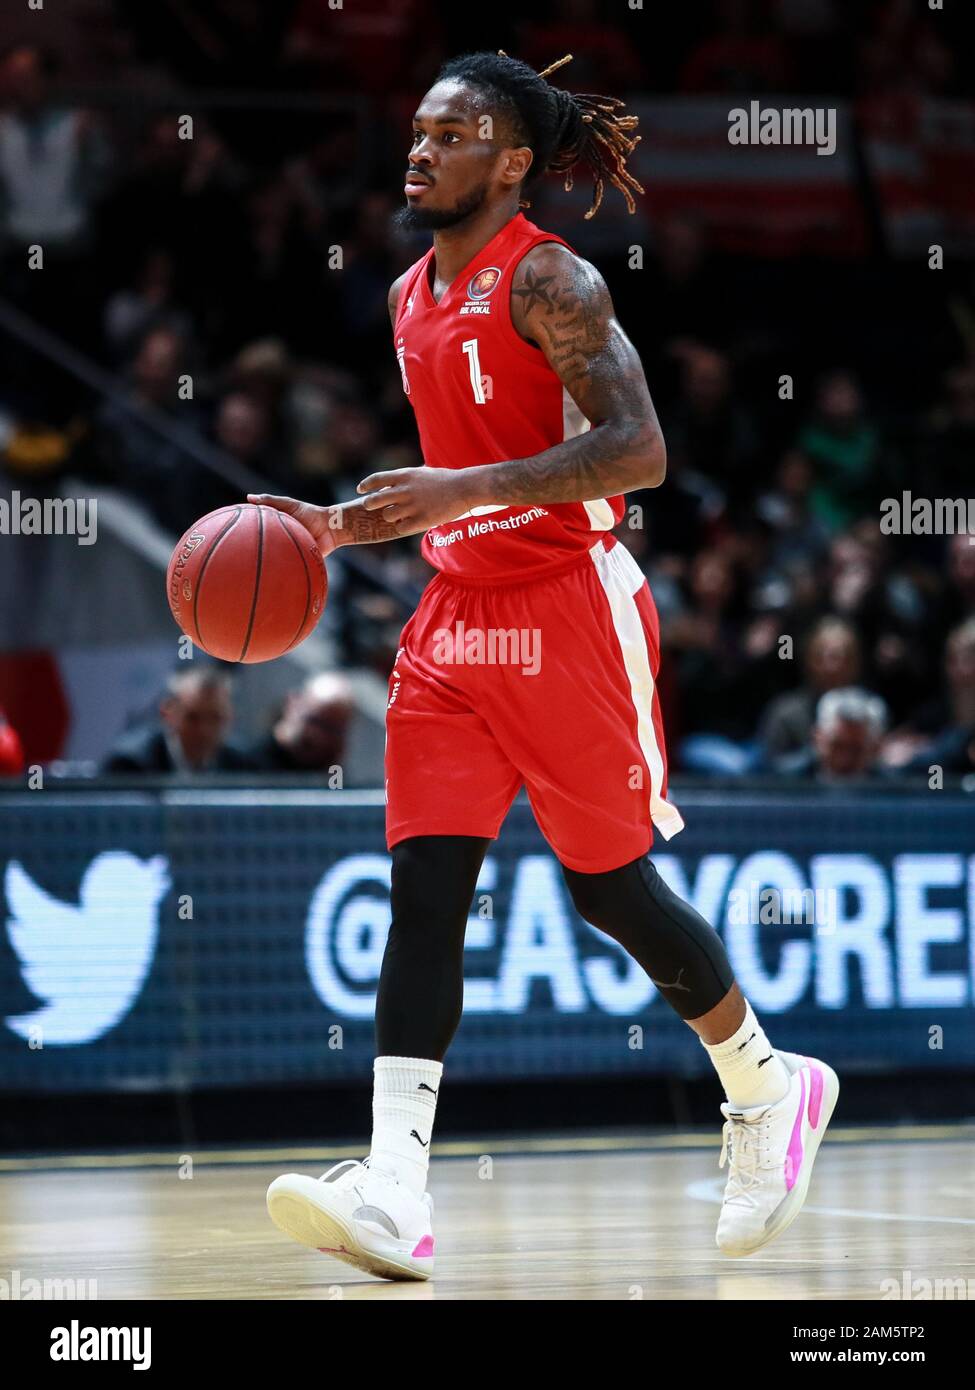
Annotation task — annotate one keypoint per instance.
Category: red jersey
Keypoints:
(482, 394)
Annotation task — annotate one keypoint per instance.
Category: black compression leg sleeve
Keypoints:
(683, 956)
(421, 984)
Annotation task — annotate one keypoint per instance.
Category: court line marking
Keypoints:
(710, 1190)
(592, 1144)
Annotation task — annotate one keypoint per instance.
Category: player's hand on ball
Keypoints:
(316, 520)
(414, 499)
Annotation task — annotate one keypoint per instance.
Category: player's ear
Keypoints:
(516, 164)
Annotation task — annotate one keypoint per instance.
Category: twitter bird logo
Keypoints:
(88, 963)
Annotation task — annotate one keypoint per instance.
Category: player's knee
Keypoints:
(600, 899)
(432, 885)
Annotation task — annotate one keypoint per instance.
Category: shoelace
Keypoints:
(743, 1145)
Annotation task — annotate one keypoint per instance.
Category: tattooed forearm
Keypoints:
(562, 305)
(605, 461)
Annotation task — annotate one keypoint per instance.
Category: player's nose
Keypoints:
(421, 153)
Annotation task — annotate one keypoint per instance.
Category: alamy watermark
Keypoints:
(50, 516)
(773, 907)
(489, 646)
(77, 1343)
(793, 125)
(927, 1289)
(908, 515)
(18, 1289)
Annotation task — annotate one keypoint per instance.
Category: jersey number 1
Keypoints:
(470, 347)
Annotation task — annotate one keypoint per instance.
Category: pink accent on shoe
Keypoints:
(793, 1159)
(424, 1249)
(815, 1093)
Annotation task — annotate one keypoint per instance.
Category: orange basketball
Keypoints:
(246, 583)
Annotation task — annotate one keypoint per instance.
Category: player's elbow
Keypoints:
(652, 459)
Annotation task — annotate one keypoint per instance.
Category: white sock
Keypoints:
(404, 1102)
(748, 1066)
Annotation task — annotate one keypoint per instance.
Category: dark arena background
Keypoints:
(197, 242)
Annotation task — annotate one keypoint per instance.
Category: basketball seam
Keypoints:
(304, 562)
(203, 569)
(257, 583)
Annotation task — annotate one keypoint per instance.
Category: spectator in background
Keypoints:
(294, 403)
(959, 594)
(310, 735)
(54, 165)
(290, 292)
(184, 196)
(677, 520)
(843, 447)
(707, 424)
(846, 738)
(888, 610)
(195, 716)
(53, 161)
(832, 659)
(11, 750)
(943, 731)
(704, 639)
(243, 429)
(786, 510)
(139, 458)
(363, 286)
(147, 303)
(949, 444)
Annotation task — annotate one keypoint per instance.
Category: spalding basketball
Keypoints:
(247, 583)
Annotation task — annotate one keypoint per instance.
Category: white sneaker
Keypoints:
(770, 1151)
(360, 1215)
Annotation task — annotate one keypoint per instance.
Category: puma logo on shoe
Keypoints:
(744, 1044)
(424, 1087)
(676, 984)
(414, 1135)
(766, 1059)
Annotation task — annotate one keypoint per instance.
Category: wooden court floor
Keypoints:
(597, 1218)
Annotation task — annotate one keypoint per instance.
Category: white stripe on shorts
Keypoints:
(622, 578)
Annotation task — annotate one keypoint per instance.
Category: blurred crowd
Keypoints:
(234, 285)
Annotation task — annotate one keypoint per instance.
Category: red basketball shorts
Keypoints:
(548, 684)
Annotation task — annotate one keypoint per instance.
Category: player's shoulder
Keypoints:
(551, 277)
(394, 292)
(555, 259)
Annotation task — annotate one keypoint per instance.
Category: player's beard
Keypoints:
(411, 219)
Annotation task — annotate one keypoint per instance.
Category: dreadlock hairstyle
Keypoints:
(562, 129)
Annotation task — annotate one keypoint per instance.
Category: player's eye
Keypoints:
(450, 135)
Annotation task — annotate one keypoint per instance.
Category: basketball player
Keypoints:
(534, 418)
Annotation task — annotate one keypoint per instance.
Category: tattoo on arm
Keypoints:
(562, 304)
(351, 524)
(533, 289)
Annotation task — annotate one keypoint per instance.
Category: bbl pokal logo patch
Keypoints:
(483, 283)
